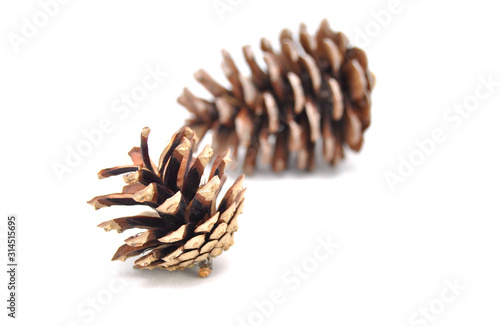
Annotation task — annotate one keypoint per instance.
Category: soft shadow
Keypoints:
(159, 278)
(322, 170)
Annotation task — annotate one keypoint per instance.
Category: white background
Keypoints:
(398, 247)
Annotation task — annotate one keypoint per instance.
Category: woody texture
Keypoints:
(314, 93)
(184, 227)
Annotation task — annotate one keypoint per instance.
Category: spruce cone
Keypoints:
(186, 227)
(318, 89)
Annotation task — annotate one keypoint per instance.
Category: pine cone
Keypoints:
(186, 227)
(318, 89)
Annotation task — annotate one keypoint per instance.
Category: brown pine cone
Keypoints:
(185, 227)
(320, 88)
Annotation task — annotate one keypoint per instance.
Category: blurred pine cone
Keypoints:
(320, 88)
(185, 227)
